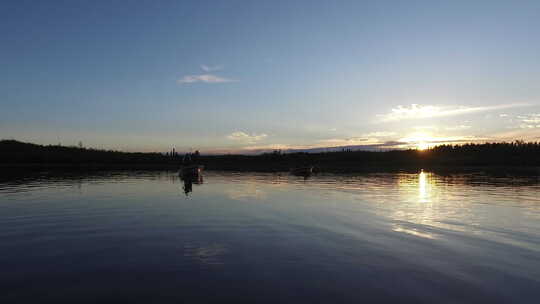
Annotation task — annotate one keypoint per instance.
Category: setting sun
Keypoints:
(420, 140)
(422, 146)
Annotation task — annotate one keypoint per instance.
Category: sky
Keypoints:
(239, 76)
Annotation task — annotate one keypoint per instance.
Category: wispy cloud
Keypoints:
(529, 121)
(457, 128)
(334, 142)
(245, 137)
(425, 128)
(522, 133)
(207, 78)
(356, 143)
(531, 118)
(269, 147)
(379, 134)
(416, 111)
(413, 139)
(209, 68)
(364, 139)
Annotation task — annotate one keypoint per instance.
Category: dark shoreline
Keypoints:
(499, 159)
(502, 171)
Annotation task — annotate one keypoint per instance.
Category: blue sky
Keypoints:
(241, 75)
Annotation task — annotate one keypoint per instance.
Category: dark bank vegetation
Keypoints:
(13, 152)
(518, 154)
(492, 155)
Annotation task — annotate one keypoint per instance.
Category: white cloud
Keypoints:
(458, 128)
(379, 134)
(245, 137)
(530, 118)
(258, 148)
(207, 78)
(426, 128)
(529, 121)
(333, 142)
(364, 139)
(208, 68)
(527, 134)
(416, 111)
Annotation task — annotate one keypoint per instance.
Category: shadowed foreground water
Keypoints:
(138, 238)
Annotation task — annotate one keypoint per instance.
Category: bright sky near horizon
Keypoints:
(227, 76)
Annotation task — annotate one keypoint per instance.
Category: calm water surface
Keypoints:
(137, 237)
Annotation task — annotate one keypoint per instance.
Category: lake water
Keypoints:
(137, 237)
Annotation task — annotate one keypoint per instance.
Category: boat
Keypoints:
(302, 171)
(191, 172)
(189, 169)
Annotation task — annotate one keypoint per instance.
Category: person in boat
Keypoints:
(195, 156)
(187, 160)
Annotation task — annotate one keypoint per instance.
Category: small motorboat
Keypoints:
(302, 171)
(191, 172)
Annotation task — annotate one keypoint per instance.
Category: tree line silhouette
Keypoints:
(16, 152)
(516, 154)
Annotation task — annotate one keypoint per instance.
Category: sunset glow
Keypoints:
(422, 146)
(188, 75)
(421, 141)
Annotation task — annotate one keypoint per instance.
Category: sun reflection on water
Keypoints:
(419, 208)
(423, 187)
(418, 188)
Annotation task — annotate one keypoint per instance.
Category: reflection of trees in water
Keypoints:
(26, 180)
(425, 186)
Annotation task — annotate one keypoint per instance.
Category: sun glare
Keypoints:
(422, 146)
(420, 140)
